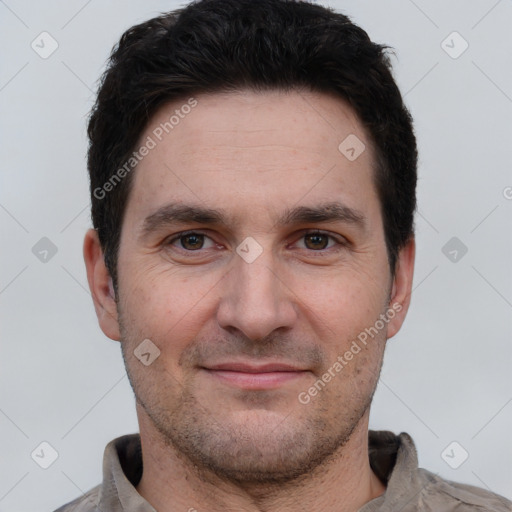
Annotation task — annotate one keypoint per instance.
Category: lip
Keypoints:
(253, 376)
(255, 368)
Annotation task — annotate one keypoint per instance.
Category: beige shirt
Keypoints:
(393, 459)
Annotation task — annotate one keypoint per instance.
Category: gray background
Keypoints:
(446, 375)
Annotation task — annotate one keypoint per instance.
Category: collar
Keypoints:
(392, 458)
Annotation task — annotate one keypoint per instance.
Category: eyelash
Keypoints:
(321, 252)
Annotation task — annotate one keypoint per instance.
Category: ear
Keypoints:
(402, 287)
(100, 284)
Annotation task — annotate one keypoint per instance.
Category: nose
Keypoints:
(255, 299)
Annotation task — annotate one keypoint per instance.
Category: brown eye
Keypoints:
(316, 241)
(192, 242)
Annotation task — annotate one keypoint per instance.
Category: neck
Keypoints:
(170, 482)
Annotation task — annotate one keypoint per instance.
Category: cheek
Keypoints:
(346, 303)
(360, 374)
(154, 292)
(167, 308)
(344, 318)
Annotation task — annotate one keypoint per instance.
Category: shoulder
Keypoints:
(409, 488)
(86, 503)
(439, 494)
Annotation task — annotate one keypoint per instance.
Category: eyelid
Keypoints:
(181, 234)
(340, 240)
(311, 231)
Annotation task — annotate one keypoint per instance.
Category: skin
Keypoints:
(209, 444)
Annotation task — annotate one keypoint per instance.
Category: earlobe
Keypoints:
(100, 285)
(402, 287)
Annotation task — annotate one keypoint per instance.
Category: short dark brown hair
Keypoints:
(228, 45)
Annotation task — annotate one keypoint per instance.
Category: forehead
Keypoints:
(254, 153)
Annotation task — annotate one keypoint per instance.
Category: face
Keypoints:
(252, 256)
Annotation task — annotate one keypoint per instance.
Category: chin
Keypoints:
(252, 447)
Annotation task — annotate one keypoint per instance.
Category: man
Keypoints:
(253, 174)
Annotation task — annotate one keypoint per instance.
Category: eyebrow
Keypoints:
(176, 213)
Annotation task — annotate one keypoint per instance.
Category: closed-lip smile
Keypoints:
(255, 376)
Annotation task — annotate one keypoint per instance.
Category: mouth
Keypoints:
(255, 377)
